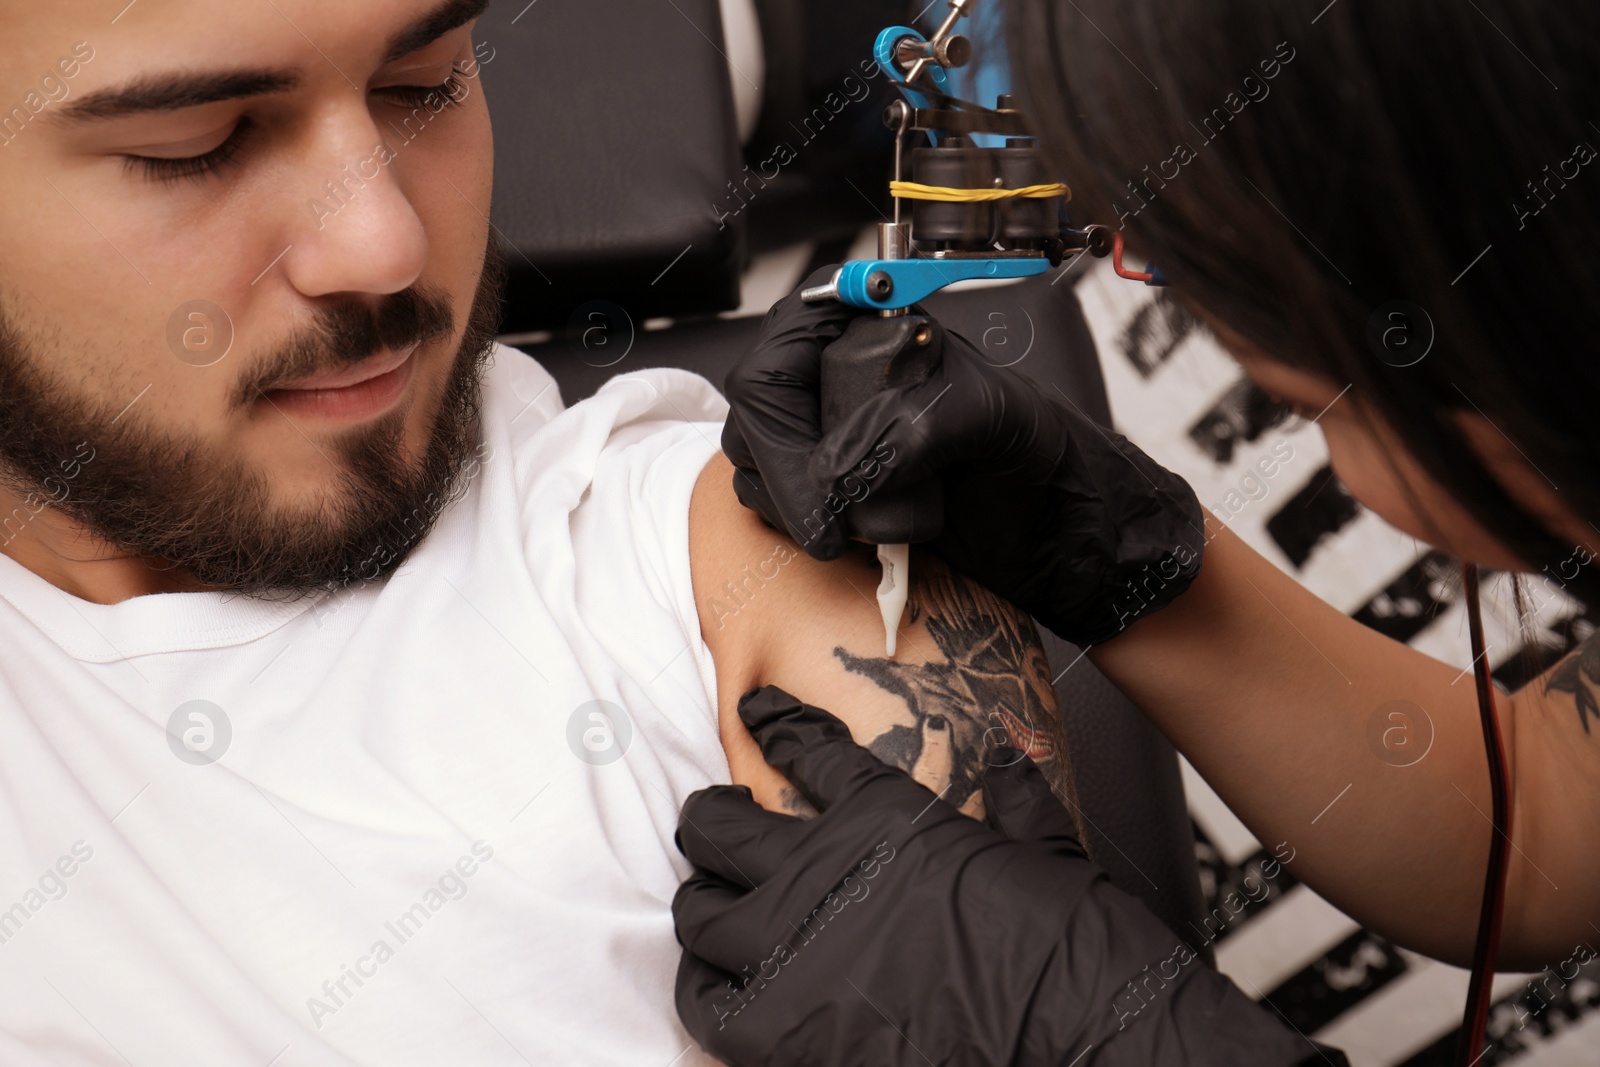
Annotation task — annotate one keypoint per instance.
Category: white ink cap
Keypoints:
(894, 588)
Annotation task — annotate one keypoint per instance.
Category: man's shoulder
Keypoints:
(522, 395)
(631, 451)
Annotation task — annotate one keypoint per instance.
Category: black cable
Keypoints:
(1470, 1048)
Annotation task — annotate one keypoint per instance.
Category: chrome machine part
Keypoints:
(938, 44)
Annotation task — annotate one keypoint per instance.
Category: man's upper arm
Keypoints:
(968, 666)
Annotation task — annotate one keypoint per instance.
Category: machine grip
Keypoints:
(872, 355)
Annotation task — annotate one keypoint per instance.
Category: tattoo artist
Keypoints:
(1395, 238)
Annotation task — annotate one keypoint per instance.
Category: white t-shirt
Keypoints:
(401, 831)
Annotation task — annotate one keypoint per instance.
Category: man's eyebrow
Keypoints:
(432, 26)
(173, 92)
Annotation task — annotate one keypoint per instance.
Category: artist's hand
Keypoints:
(1064, 518)
(893, 930)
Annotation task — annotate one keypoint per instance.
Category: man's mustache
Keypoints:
(347, 334)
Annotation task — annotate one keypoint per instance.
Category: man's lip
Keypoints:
(382, 363)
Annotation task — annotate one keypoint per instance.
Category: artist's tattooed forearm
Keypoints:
(992, 688)
(1579, 675)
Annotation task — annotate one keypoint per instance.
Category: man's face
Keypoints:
(245, 269)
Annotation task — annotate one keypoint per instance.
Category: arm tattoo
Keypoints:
(993, 688)
(1579, 674)
(795, 804)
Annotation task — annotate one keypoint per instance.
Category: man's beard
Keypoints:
(158, 495)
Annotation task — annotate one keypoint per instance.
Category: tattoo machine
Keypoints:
(978, 212)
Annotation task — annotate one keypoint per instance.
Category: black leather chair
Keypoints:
(615, 141)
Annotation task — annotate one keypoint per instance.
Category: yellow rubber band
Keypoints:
(948, 195)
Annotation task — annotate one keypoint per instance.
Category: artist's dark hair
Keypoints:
(1388, 159)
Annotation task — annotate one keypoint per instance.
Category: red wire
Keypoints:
(1487, 948)
(1116, 262)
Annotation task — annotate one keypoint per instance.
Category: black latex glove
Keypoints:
(893, 930)
(1064, 518)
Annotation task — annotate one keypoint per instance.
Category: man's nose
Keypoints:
(358, 231)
